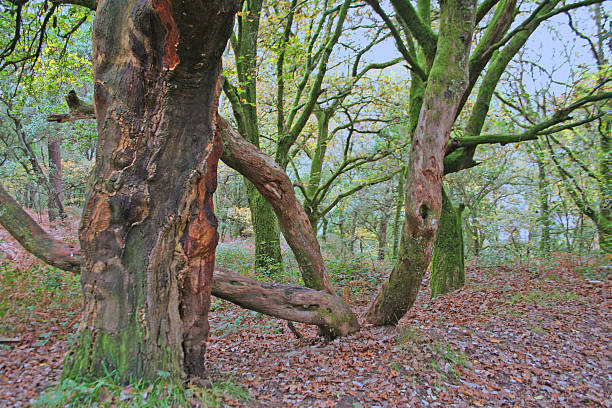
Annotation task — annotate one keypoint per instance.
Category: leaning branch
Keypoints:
(274, 185)
(33, 238)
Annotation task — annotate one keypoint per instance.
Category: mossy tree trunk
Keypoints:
(268, 256)
(446, 84)
(399, 204)
(447, 266)
(543, 193)
(148, 234)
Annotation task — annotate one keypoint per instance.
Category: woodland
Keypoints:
(351, 203)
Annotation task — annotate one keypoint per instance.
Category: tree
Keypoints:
(422, 50)
(243, 98)
(148, 235)
(446, 83)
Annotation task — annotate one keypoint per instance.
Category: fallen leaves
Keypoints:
(507, 339)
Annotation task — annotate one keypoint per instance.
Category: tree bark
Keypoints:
(445, 86)
(447, 267)
(148, 234)
(54, 146)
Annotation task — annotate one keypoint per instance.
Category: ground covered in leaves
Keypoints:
(516, 335)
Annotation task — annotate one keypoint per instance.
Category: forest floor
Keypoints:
(515, 335)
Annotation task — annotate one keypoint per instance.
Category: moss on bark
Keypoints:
(268, 256)
(447, 267)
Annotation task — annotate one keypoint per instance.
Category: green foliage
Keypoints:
(235, 257)
(544, 298)
(163, 392)
(26, 292)
(344, 269)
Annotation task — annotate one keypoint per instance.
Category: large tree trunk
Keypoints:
(148, 234)
(447, 266)
(445, 86)
(54, 149)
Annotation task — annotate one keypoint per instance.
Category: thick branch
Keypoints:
(33, 238)
(289, 302)
(273, 183)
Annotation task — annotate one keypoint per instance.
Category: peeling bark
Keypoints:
(148, 234)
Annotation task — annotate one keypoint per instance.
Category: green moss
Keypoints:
(447, 268)
(122, 353)
(268, 256)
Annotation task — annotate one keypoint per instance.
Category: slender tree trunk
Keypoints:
(398, 213)
(382, 237)
(268, 256)
(445, 86)
(54, 144)
(447, 267)
(324, 229)
(148, 234)
(41, 178)
(543, 192)
(605, 208)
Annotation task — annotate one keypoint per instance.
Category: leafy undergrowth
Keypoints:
(516, 335)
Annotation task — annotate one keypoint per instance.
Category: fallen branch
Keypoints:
(288, 302)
